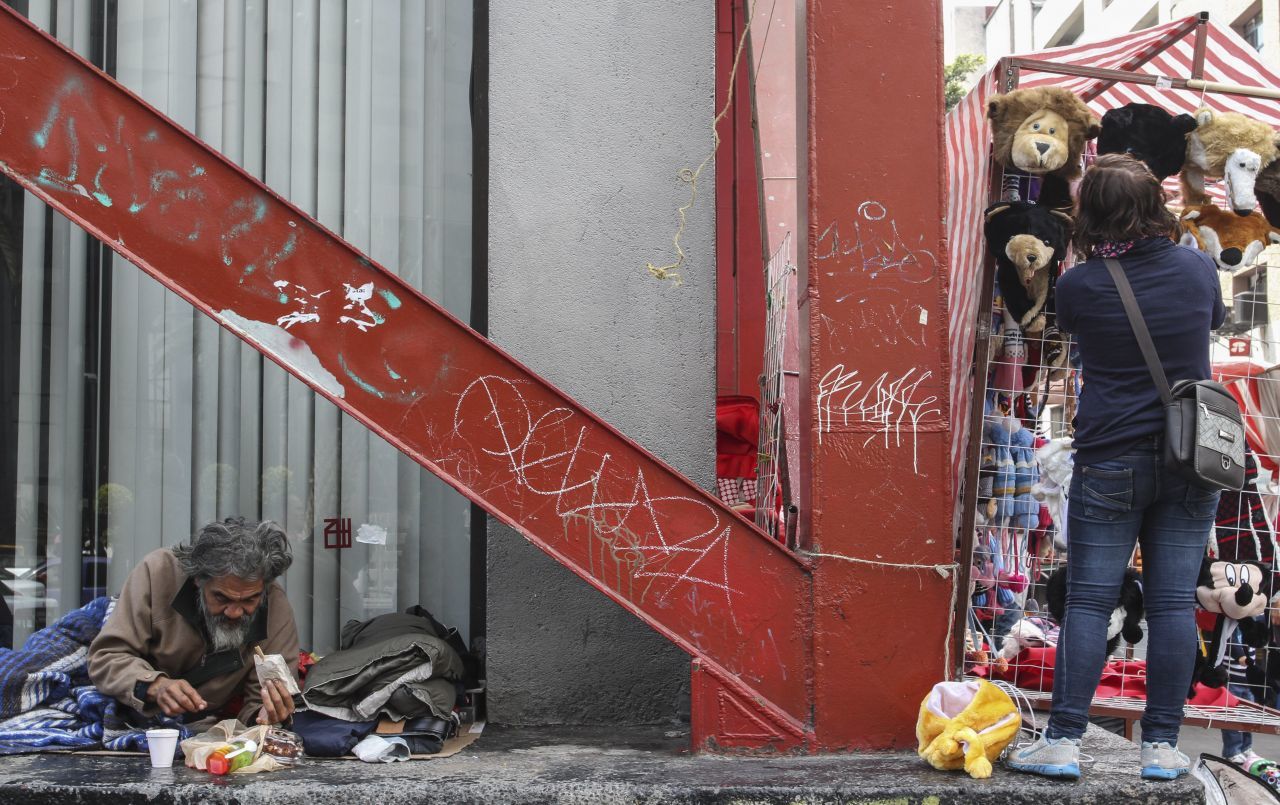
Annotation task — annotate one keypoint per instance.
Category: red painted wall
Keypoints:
(740, 335)
(874, 383)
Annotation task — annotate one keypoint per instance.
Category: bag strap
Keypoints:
(1139, 329)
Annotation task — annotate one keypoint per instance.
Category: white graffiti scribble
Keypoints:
(360, 297)
(888, 404)
(650, 545)
(876, 248)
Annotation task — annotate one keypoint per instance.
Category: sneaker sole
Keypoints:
(1161, 773)
(1069, 771)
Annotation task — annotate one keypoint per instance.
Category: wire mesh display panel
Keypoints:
(1021, 537)
(770, 479)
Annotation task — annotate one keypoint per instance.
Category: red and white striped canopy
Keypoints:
(1165, 50)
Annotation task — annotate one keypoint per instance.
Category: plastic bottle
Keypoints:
(231, 757)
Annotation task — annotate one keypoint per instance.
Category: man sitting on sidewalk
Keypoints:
(181, 638)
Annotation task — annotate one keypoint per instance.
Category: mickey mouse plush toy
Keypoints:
(1235, 592)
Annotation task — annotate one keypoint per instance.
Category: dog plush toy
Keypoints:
(1236, 593)
(1148, 133)
(1233, 147)
(1125, 618)
(1028, 242)
(1231, 240)
(966, 725)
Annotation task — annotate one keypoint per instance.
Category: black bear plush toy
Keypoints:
(1149, 134)
(1126, 618)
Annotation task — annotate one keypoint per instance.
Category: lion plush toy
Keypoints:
(1231, 240)
(966, 725)
(1230, 146)
(1041, 130)
(1147, 133)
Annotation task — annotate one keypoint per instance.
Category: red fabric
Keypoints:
(737, 436)
(1032, 669)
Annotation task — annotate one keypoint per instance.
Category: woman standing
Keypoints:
(1121, 491)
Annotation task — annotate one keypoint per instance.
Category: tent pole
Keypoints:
(1202, 39)
(1122, 76)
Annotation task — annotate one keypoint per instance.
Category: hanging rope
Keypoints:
(689, 176)
(946, 571)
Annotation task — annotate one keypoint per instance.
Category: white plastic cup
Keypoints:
(162, 743)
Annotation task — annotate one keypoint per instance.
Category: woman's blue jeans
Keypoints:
(1113, 504)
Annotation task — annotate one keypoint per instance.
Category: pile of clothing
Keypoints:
(48, 702)
(402, 669)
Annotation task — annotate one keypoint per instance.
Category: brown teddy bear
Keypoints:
(1231, 240)
(1042, 130)
(1229, 146)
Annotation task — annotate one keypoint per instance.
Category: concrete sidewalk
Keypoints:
(576, 765)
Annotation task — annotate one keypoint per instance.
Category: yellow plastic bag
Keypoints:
(966, 725)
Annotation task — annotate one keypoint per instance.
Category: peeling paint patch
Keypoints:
(360, 296)
(277, 341)
(371, 534)
(296, 317)
(394, 375)
(393, 301)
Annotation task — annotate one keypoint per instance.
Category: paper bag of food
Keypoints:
(273, 666)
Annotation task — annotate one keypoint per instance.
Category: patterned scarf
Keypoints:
(1113, 248)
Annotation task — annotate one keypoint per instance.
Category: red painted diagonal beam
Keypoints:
(532, 457)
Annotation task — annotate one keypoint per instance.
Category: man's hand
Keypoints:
(277, 704)
(175, 696)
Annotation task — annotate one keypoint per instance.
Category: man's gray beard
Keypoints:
(221, 633)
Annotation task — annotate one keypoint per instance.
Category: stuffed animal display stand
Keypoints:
(1233, 241)
(966, 725)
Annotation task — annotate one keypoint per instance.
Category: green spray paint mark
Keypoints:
(392, 301)
(359, 381)
(41, 137)
(257, 210)
(394, 374)
(135, 207)
(284, 299)
(197, 171)
(285, 252)
(102, 197)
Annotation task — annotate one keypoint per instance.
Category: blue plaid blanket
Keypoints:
(47, 701)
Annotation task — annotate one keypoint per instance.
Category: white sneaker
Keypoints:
(1058, 757)
(1163, 761)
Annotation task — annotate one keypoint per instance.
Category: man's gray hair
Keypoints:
(245, 549)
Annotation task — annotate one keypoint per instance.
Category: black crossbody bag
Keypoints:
(1203, 428)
